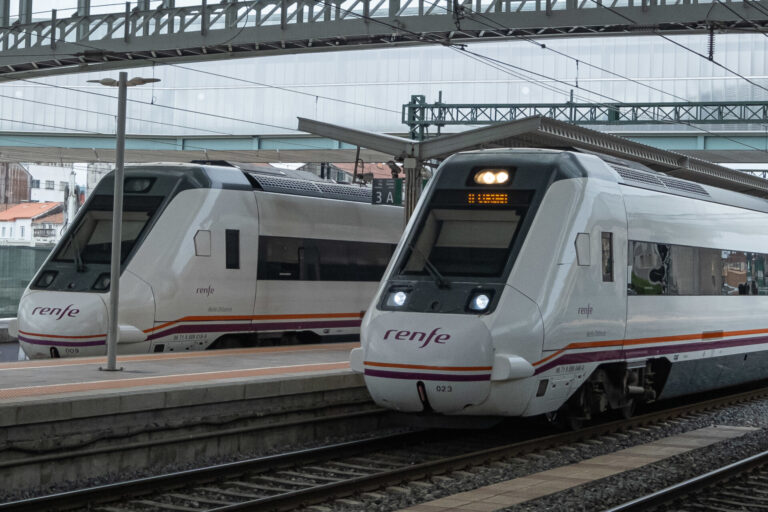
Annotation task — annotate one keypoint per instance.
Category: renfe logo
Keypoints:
(205, 291)
(418, 336)
(57, 312)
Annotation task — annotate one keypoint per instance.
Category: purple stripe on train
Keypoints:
(277, 326)
(60, 343)
(207, 328)
(428, 376)
(656, 350)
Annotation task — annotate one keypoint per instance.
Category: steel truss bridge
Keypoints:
(78, 40)
(419, 115)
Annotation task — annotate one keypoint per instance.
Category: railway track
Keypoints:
(740, 486)
(291, 480)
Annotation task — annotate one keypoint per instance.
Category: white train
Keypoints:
(212, 256)
(534, 281)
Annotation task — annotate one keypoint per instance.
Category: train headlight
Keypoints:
(397, 298)
(46, 278)
(102, 282)
(480, 301)
(137, 185)
(491, 176)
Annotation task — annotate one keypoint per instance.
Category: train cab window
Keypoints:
(232, 243)
(607, 247)
(91, 241)
(203, 242)
(472, 243)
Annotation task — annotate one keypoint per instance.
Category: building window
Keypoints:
(21, 235)
(3, 232)
(62, 185)
(49, 184)
(10, 232)
(35, 183)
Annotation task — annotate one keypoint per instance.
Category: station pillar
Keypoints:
(412, 167)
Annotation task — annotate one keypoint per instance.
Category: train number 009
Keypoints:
(441, 388)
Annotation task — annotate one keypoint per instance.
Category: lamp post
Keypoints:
(117, 210)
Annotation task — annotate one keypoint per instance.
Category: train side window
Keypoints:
(607, 246)
(232, 243)
(203, 242)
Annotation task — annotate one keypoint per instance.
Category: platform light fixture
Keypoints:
(117, 209)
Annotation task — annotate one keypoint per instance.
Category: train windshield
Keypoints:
(91, 240)
(464, 242)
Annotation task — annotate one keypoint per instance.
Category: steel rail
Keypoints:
(674, 492)
(140, 486)
(321, 493)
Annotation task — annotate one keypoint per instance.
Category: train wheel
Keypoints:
(629, 409)
(564, 419)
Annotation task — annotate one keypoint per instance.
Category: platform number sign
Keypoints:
(387, 191)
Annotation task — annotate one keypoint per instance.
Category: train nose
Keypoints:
(62, 324)
(420, 362)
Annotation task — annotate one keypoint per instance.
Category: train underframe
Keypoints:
(618, 387)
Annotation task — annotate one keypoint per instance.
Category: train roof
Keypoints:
(256, 178)
(634, 174)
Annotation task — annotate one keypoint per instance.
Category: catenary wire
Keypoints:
(96, 112)
(531, 40)
(436, 41)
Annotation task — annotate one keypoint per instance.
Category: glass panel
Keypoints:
(17, 267)
(607, 249)
(464, 242)
(322, 260)
(232, 242)
(734, 273)
(649, 268)
(710, 272)
(92, 239)
(681, 270)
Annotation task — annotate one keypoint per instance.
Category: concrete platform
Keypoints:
(64, 389)
(64, 420)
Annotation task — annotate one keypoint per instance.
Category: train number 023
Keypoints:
(442, 388)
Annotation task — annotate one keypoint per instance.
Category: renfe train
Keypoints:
(211, 256)
(536, 281)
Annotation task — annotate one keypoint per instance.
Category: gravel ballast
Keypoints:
(595, 496)
(600, 494)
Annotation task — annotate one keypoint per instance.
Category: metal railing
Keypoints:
(223, 30)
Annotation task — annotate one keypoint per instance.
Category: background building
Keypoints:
(15, 183)
(16, 223)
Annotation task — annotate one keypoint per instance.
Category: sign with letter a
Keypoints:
(387, 191)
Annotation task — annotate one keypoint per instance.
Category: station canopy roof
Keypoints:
(543, 132)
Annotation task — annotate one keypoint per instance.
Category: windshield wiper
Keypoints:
(432, 269)
(79, 265)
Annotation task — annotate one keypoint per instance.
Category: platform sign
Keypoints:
(387, 191)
